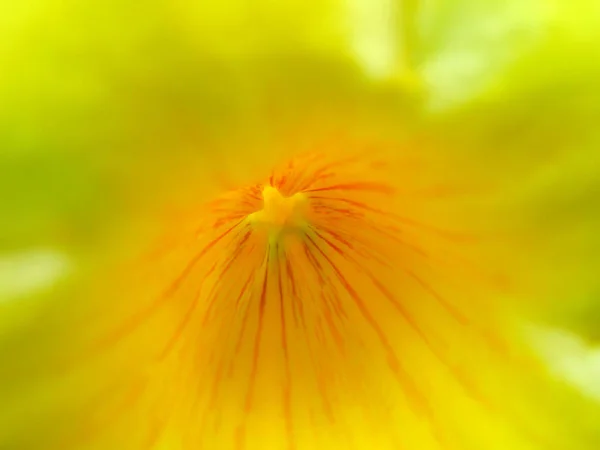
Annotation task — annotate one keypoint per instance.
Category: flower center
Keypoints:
(280, 213)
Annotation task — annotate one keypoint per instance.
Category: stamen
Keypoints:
(280, 214)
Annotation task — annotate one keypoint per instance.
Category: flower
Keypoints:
(267, 242)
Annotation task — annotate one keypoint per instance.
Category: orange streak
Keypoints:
(357, 186)
(240, 439)
(135, 320)
(393, 362)
(287, 387)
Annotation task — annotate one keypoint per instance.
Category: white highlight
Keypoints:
(468, 45)
(479, 42)
(30, 272)
(569, 358)
(374, 35)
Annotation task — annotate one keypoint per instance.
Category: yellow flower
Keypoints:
(295, 225)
